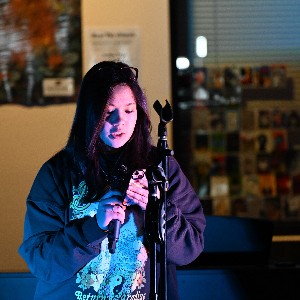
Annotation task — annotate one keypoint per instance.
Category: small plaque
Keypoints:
(58, 87)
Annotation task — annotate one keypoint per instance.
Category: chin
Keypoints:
(117, 144)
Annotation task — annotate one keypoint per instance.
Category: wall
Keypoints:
(29, 136)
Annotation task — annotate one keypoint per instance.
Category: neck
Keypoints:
(108, 150)
(111, 158)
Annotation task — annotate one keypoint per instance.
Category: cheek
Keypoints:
(133, 121)
(104, 132)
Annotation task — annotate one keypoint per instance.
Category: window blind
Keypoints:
(244, 32)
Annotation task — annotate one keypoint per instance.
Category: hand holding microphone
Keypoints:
(110, 208)
(124, 190)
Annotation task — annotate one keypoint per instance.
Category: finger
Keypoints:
(138, 190)
(117, 212)
(135, 198)
(111, 201)
(110, 194)
(142, 183)
(108, 211)
(118, 209)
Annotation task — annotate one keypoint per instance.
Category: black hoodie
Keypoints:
(67, 251)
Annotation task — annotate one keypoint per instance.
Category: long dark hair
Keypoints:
(84, 140)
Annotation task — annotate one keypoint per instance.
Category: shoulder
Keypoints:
(53, 182)
(174, 167)
(61, 157)
(61, 161)
(57, 168)
(177, 179)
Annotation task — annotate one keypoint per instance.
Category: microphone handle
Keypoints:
(113, 235)
(114, 226)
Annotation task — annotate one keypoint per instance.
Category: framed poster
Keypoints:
(113, 43)
(40, 51)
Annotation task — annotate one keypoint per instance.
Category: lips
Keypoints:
(117, 134)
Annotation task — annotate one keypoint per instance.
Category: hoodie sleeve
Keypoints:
(54, 248)
(185, 218)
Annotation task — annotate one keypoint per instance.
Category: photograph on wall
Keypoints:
(40, 52)
(272, 209)
(246, 76)
(202, 168)
(247, 119)
(200, 91)
(248, 141)
(280, 142)
(217, 142)
(267, 185)
(250, 185)
(296, 184)
(217, 120)
(293, 136)
(219, 186)
(264, 119)
(233, 141)
(248, 164)
(221, 205)
(200, 118)
(284, 184)
(279, 118)
(112, 43)
(232, 120)
(279, 75)
(293, 119)
(239, 207)
(201, 141)
(264, 141)
(263, 163)
(232, 164)
(291, 206)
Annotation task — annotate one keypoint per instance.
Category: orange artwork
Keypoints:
(39, 40)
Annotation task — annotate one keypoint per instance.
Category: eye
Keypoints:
(130, 109)
(109, 112)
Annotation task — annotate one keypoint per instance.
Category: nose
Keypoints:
(118, 118)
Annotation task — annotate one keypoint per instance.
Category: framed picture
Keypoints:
(40, 52)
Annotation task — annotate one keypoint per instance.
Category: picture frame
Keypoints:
(40, 52)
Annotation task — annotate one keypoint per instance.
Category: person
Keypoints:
(96, 179)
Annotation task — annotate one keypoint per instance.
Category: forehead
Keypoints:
(121, 95)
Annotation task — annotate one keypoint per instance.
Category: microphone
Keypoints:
(120, 182)
(113, 235)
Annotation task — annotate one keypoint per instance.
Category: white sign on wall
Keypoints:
(121, 44)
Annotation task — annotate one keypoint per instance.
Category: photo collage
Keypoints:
(225, 85)
(246, 162)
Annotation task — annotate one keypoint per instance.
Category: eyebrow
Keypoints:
(128, 104)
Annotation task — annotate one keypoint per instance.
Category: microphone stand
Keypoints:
(156, 215)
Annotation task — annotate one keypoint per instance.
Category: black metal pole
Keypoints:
(156, 214)
(163, 146)
(151, 228)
